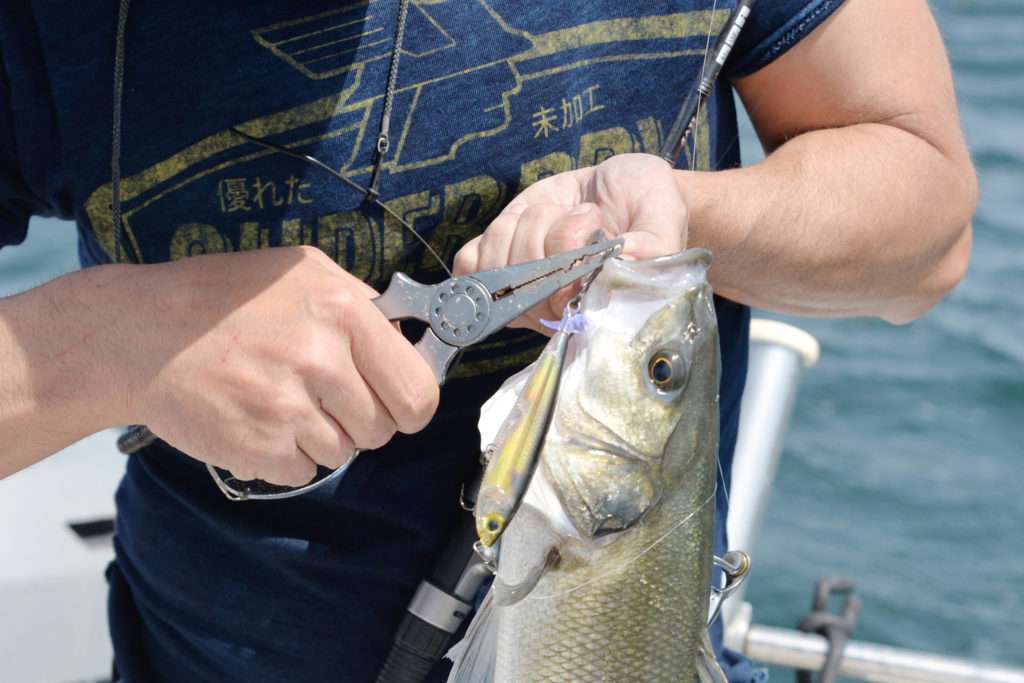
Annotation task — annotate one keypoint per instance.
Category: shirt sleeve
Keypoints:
(773, 27)
(17, 203)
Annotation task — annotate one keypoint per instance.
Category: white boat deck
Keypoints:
(52, 589)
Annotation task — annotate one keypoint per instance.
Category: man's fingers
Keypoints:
(574, 229)
(531, 232)
(293, 468)
(468, 258)
(297, 471)
(658, 209)
(644, 245)
(496, 241)
(394, 370)
(366, 422)
(543, 230)
(325, 440)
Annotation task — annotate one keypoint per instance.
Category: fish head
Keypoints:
(639, 393)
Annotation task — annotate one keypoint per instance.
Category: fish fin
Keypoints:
(473, 658)
(708, 670)
(506, 594)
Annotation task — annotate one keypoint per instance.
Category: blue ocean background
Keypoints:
(904, 465)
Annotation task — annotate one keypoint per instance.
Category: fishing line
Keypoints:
(371, 193)
(309, 159)
(721, 475)
(703, 70)
(658, 541)
(736, 138)
(732, 28)
(383, 141)
(115, 133)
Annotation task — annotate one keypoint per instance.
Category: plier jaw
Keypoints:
(519, 288)
(464, 310)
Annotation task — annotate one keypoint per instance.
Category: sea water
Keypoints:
(904, 466)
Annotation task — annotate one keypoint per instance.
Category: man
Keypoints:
(267, 362)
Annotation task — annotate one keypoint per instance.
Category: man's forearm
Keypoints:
(57, 347)
(863, 220)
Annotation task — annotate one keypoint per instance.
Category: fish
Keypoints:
(604, 572)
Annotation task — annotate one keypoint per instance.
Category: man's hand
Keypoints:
(268, 363)
(264, 363)
(862, 207)
(632, 195)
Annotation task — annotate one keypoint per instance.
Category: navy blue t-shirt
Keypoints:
(491, 97)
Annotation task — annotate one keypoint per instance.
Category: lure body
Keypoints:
(513, 458)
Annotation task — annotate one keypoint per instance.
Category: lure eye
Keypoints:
(489, 527)
(667, 371)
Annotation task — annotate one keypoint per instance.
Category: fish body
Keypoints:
(605, 572)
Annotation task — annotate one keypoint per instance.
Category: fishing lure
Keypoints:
(513, 458)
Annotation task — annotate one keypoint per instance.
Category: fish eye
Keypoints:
(666, 370)
(661, 371)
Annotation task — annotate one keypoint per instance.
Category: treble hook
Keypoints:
(736, 565)
(488, 555)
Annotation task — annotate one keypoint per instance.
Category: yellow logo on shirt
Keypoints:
(229, 201)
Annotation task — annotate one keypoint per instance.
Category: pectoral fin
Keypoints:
(509, 594)
(528, 550)
(708, 670)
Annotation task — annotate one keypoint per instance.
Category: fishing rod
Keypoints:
(441, 603)
(686, 120)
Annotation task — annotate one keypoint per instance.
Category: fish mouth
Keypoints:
(662, 274)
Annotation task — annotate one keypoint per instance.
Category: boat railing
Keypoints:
(779, 354)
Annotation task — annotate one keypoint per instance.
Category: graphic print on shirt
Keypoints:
(484, 107)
